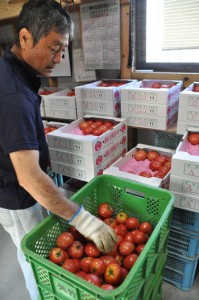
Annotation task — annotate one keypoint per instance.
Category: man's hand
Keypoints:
(94, 229)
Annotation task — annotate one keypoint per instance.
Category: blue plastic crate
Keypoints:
(180, 271)
(185, 219)
(183, 243)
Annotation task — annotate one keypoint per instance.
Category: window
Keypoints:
(166, 35)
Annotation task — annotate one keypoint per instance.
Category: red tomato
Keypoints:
(93, 278)
(130, 260)
(162, 158)
(132, 223)
(155, 165)
(164, 169)
(126, 248)
(146, 227)
(69, 265)
(159, 174)
(107, 286)
(107, 259)
(110, 222)
(76, 250)
(121, 217)
(121, 230)
(77, 264)
(193, 138)
(151, 155)
(129, 237)
(97, 266)
(47, 130)
(85, 263)
(96, 132)
(83, 125)
(70, 94)
(105, 210)
(196, 88)
(119, 239)
(91, 250)
(113, 274)
(139, 237)
(167, 164)
(103, 128)
(93, 125)
(57, 255)
(119, 259)
(139, 248)
(99, 122)
(124, 274)
(90, 121)
(140, 155)
(146, 174)
(81, 274)
(87, 130)
(108, 124)
(64, 240)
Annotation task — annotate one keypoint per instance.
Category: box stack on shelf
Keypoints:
(144, 281)
(60, 105)
(151, 103)
(131, 172)
(101, 98)
(183, 240)
(85, 156)
(188, 115)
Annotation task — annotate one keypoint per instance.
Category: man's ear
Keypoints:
(25, 38)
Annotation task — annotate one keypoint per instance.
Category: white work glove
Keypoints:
(94, 229)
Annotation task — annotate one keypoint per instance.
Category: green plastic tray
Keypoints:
(145, 202)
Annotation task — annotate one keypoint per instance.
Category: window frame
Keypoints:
(140, 34)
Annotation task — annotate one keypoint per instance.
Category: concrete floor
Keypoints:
(12, 284)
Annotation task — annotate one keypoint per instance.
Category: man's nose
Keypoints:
(58, 57)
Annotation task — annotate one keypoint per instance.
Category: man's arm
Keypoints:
(39, 185)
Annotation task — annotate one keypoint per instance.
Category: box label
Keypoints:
(191, 170)
(68, 144)
(143, 96)
(94, 106)
(71, 172)
(92, 94)
(70, 158)
(188, 203)
(142, 109)
(139, 121)
(189, 186)
(193, 101)
(193, 116)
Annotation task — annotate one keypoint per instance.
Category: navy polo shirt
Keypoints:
(21, 126)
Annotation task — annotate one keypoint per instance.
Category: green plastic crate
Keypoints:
(145, 202)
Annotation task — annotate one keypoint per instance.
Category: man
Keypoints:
(42, 33)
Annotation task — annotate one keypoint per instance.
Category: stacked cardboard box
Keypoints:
(85, 156)
(147, 107)
(188, 115)
(101, 97)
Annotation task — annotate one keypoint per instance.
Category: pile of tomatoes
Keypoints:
(112, 83)
(193, 138)
(95, 127)
(80, 256)
(160, 164)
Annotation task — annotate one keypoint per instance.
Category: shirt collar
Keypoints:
(27, 73)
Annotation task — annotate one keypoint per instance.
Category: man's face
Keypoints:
(48, 52)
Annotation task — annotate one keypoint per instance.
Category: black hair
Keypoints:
(42, 16)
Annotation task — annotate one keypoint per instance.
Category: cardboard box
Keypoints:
(85, 161)
(142, 92)
(42, 111)
(187, 202)
(62, 138)
(184, 164)
(146, 109)
(151, 122)
(188, 115)
(114, 169)
(183, 185)
(93, 91)
(58, 113)
(60, 100)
